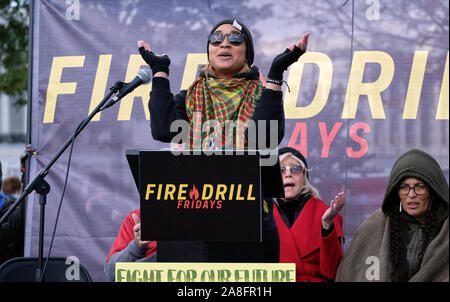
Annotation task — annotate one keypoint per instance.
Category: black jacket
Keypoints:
(11, 232)
(165, 108)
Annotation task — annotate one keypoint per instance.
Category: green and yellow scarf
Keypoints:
(210, 102)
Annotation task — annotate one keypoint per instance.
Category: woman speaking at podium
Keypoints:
(229, 88)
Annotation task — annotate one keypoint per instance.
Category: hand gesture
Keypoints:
(336, 206)
(285, 59)
(157, 63)
(137, 232)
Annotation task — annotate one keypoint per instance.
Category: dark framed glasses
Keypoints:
(235, 38)
(419, 189)
(294, 169)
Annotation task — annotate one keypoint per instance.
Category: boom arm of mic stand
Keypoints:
(41, 175)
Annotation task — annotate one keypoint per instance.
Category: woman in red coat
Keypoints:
(310, 231)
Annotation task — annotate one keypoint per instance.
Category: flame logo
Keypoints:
(193, 194)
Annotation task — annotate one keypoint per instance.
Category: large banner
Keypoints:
(373, 85)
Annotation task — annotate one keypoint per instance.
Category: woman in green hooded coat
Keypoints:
(407, 239)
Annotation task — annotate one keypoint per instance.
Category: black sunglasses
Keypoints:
(234, 38)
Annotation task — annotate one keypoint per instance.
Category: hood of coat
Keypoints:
(421, 165)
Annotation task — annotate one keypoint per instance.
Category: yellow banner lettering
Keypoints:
(193, 60)
(323, 86)
(442, 109)
(373, 90)
(126, 104)
(55, 87)
(101, 79)
(415, 85)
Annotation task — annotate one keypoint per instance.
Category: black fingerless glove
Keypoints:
(156, 63)
(283, 61)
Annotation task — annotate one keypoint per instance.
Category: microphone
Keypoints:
(142, 77)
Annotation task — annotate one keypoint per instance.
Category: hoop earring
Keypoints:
(400, 210)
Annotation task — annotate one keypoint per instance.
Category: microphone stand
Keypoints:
(39, 184)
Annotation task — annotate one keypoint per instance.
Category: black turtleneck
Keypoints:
(291, 209)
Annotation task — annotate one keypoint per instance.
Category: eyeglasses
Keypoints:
(294, 169)
(419, 189)
(235, 38)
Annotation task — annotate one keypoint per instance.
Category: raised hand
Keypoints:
(137, 232)
(158, 63)
(285, 59)
(336, 206)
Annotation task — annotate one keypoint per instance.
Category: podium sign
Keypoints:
(192, 197)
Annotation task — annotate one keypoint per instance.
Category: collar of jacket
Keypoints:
(296, 206)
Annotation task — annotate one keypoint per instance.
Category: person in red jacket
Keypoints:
(310, 231)
(128, 246)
